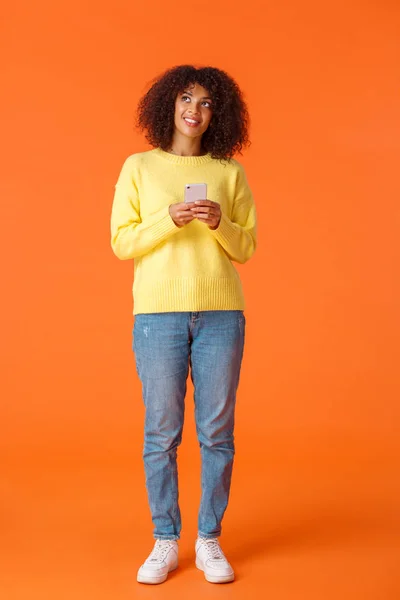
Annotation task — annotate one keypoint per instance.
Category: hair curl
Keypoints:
(227, 133)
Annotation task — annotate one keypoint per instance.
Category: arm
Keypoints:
(238, 236)
(131, 236)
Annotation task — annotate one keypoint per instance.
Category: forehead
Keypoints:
(197, 90)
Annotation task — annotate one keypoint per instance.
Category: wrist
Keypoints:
(216, 226)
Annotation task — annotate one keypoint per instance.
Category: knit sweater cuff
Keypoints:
(225, 232)
(161, 224)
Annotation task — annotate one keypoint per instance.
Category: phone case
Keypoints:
(195, 191)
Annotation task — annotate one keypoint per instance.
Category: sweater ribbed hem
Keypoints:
(183, 160)
(187, 294)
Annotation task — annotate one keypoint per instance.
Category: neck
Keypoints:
(184, 146)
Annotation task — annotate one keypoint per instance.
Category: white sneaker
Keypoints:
(211, 560)
(162, 559)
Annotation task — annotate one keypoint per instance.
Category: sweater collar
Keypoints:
(183, 160)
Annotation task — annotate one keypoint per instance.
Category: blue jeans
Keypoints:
(165, 345)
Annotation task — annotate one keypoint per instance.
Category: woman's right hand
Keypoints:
(181, 213)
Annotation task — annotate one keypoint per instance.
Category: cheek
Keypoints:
(178, 116)
(207, 119)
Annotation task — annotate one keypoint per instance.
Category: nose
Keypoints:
(193, 110)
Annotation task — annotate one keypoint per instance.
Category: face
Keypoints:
(193, 111)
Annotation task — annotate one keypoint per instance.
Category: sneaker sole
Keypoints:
(215, 578)
(154, 580)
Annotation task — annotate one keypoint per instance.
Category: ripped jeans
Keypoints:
(165, 346)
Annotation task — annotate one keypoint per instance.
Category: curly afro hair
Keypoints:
(227, 133)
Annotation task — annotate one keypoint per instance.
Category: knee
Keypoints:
(216, 439)
(159, 441)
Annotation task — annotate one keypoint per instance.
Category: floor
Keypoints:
(318, 522)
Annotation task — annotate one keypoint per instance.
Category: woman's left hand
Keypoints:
(208, 212)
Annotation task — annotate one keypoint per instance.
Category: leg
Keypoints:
(161, 350)
(216, 357)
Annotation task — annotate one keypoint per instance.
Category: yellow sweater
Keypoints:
(188, 268)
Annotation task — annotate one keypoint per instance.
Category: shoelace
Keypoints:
(160, 550)
(213, 548)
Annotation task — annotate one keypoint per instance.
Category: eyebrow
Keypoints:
(190, 93)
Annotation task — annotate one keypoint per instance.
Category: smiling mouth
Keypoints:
(191, 122)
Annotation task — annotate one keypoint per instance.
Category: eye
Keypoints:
(205, 103)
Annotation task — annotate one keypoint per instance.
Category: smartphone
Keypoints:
(195, 191)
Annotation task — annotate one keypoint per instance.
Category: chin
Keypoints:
(192, 134)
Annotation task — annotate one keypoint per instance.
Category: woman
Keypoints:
(188, 299)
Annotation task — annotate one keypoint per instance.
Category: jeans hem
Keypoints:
(174, 538)
(208, 536)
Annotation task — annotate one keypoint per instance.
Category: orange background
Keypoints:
(315, 492)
